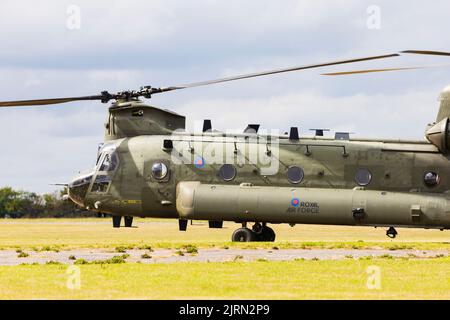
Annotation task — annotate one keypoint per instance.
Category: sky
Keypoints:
(68, 48)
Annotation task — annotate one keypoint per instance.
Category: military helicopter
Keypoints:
(149, 166)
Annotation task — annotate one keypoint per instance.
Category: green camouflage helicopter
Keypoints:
(149, 166)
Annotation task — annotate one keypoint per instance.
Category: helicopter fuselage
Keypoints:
(317, 180)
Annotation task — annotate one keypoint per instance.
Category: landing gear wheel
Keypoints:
(257, 228)
(128, 222)
(391, 233)
(116, 221)
(267, 235)
(243, 235)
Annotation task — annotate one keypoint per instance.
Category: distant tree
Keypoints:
(17, 204)
(9, 203)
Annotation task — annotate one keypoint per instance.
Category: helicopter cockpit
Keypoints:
(107, 163)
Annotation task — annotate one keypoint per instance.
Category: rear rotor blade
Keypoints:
(427, 52)
(276, 71)
(344, 73)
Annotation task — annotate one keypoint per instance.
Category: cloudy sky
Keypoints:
(48, 50)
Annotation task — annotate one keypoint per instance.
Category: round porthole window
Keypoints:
(295, 174)
(431, 179)
(159, 170)
(227, 172)
(363, 177)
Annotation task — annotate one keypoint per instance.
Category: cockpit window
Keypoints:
(82, 181)
(101, 183)
(110, 162)
(79, 188)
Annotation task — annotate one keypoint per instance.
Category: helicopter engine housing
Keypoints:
(439, 135)
(134, 118)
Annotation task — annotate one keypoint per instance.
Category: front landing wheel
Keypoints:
(128, 221)
(243, 235)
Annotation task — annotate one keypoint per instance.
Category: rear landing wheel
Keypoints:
(263, 233)
(392, 233)
(267, 235)
(243, 235)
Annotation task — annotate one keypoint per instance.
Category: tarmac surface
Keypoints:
(11, 258)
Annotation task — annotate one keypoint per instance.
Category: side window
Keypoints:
(295, 174)
(431, 179)
(159, 170)
(227, 172)
(363, 177)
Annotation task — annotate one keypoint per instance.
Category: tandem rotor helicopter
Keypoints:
(149, 166)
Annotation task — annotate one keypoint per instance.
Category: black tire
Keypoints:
(128, 222)
(392, 233)
(243, 235)
(116, 221)
(267, 235)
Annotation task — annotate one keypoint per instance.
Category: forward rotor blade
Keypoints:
(276, 71)
(148, 91)
(42, 102)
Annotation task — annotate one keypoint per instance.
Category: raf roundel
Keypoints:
(295, 202)
(199, 162)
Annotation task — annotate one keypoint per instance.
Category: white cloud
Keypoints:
(373, 116)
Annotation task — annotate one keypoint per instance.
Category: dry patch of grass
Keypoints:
(63, 234)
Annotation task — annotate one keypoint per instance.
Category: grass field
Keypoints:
(323, 279)
(98, 233)
(344, 279)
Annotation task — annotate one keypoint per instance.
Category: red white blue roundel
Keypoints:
(295, 202)
(199, 162)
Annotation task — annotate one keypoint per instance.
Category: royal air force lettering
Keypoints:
(305, 207)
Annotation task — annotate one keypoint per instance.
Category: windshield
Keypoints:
(107, 163)
(110, 162)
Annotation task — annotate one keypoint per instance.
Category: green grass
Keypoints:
(61, 234)
(343, 279)
(115, 278)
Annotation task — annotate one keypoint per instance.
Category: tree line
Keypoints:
(24, 204)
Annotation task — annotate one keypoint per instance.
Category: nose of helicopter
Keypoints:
(78, 188)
